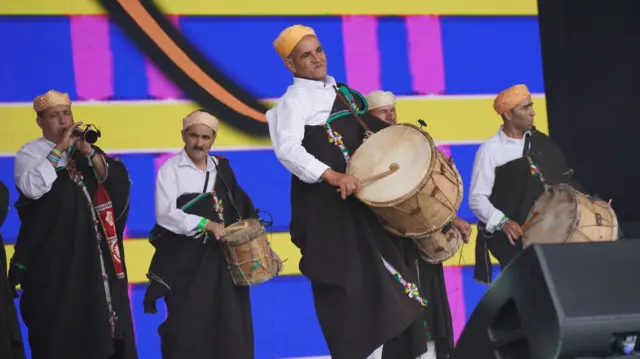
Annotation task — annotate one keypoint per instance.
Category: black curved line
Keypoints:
(182, 80)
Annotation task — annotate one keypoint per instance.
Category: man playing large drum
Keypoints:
(357, 274)
(509, 174)
(196, 195)
(382, 104)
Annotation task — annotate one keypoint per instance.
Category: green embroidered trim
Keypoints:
(202, 225)
(20, 266)
(154, 231)
(348, 93)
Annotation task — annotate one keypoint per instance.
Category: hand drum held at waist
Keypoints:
(248, 253)
(423, 191)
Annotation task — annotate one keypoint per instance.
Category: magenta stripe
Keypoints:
(361, 53)
(425, 54)
(92, 59)
(159, 86)
(455, 292)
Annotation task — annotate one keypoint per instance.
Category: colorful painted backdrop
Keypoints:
(445, 67)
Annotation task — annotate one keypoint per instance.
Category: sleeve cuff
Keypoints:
(315, 171)
(48, 173)
(494, 220)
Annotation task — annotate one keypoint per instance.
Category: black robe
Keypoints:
(514, 192)
(431, 281)
(57, 261)
(209, 317)
(11, 346)
(437, 314)
(358, 303)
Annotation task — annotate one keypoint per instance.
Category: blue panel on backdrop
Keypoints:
(463, 156)
(11, 225)
(474, 291)
(480, 53)
(242, 47)
(266, 181)
(394, 63)
(141, 211)
(36, 57)
(129, 67)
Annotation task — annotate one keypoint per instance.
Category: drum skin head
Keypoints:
(242, 231)
(403, 144)
(556, 215)
(563, 215)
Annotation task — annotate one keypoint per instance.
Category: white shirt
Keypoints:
(305, 103)
(495, 152)
(177, 176)
(32, 171)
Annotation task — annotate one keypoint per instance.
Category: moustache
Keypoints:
(198, 148)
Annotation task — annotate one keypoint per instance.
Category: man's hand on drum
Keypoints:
(347, 184)
(216, 228)
(513, 231)
(464, 228)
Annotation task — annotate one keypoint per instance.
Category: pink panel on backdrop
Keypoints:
(455, 292)
(361, 53)
(159, 85)
(425, 54)
(92, 58)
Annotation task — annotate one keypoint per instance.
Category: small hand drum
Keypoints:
(248, 253)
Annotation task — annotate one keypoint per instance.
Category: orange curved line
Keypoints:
(146, 22)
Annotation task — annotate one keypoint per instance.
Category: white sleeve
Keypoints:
(482, 180)
(167, 213)
(286, 127)
(34, 177)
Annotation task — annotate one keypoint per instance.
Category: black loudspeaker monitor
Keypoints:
(557, 301)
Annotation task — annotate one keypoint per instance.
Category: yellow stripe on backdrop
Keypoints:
(139, 252)
(285, 7)
(148, 125)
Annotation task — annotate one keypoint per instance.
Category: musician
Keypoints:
(69, 258)
(11, 346)
(382, 104)
(346, 253)
(509, 171)
(197, 195)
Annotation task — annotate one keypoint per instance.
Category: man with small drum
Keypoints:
(197, 195)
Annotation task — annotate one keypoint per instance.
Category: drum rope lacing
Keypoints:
(410, 289)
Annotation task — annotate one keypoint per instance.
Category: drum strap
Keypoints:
(231, 199)
(206, 182)
(527, 144)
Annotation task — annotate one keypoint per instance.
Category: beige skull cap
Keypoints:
(377, 99)
(198, 117)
